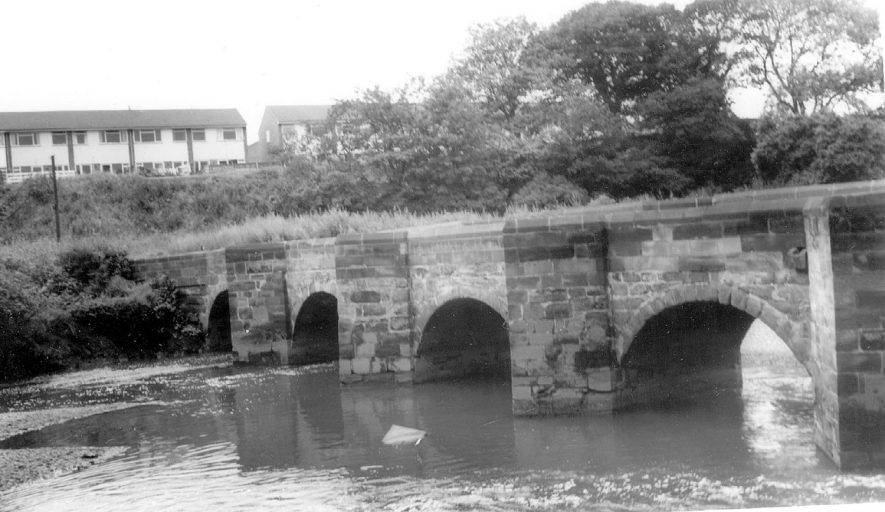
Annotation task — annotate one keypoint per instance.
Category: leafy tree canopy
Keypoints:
(810, 55)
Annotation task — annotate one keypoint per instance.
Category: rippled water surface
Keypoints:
(291, 439)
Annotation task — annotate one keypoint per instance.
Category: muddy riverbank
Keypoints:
(35, 404)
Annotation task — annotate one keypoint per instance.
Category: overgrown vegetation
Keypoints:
(87, 304)
(615, 100)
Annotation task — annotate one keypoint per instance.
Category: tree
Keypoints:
(820, 148)
(810, 55)
(432, 154)
(693, 129)
(628, 51)
(664, 76)
(494, 68)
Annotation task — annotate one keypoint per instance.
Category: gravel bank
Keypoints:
(26, 464)
(18, 466)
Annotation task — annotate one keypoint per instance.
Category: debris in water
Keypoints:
(402, 435)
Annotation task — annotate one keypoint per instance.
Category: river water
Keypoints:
(229, 438)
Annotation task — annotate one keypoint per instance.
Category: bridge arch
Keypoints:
(787, 329)
(218, 323)
(423, 313)
(315, 331)
(463, 337)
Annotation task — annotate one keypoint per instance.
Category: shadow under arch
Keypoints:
(315, 333)
(463, 338)
(218, 325)
(788, 330)
(685, 346)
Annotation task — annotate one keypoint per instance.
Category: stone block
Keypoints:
(698, 230)
(873, 299)
(558, 310)
(517, 297)
(859, 362)
(350, 378)
(739, 299)
(542, 326)
(551, 281)
(400, 323)
(872, 339)
(847, 384)
(540, 338)
(599, 379)
(399, 365)
(536, 268)
(372, 310)
(365, 296)
(523, 393)
(701, 264)
(362, 366)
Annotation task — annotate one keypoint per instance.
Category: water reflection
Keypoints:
(291, 438)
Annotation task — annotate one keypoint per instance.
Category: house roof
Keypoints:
(298, 113)
(120, 119)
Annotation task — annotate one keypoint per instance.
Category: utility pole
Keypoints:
(55, 206)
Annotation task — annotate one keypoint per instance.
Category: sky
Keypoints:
(91, 54)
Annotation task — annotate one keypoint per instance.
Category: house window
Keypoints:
(228, 134)
(179, 135)
(199, 135)
(113, 136)
(118, 168)
(25, 139)
(80, 137)
(59, 138)
(147, 135)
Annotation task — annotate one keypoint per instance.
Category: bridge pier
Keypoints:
(575, 289)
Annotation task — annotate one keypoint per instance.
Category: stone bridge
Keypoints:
(591, 309)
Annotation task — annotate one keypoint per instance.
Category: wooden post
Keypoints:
(55, 205)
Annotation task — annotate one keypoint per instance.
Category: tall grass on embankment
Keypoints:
(268, 228)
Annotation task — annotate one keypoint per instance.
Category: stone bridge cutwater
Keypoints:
(579, 306)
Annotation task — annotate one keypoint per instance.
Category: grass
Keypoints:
(268, 228)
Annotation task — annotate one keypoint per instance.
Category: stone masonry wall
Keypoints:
(447, 263)
(746, 260)
(374, 338)
(558, 315)
(742, 260)
(823, 330)
(857, 236)
(311, 269)
(200, 275)
(259, 323)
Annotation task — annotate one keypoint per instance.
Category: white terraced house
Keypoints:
(119, 141)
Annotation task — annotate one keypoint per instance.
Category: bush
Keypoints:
(148, 321)
(88, 305)
(24, 350)
(547, 191)
(823, 148)
(91, 272)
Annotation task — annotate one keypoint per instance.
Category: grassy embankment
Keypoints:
(65, 304)
(150, 216)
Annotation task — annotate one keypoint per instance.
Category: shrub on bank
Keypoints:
(149, 320)
(88, 305)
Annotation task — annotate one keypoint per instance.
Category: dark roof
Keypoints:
(120, 119)
(298, 113)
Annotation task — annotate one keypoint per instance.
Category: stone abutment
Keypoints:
(573, 303)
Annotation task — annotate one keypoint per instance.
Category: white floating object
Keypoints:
(402, 435)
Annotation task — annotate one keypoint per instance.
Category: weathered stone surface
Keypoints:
(574, 288)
